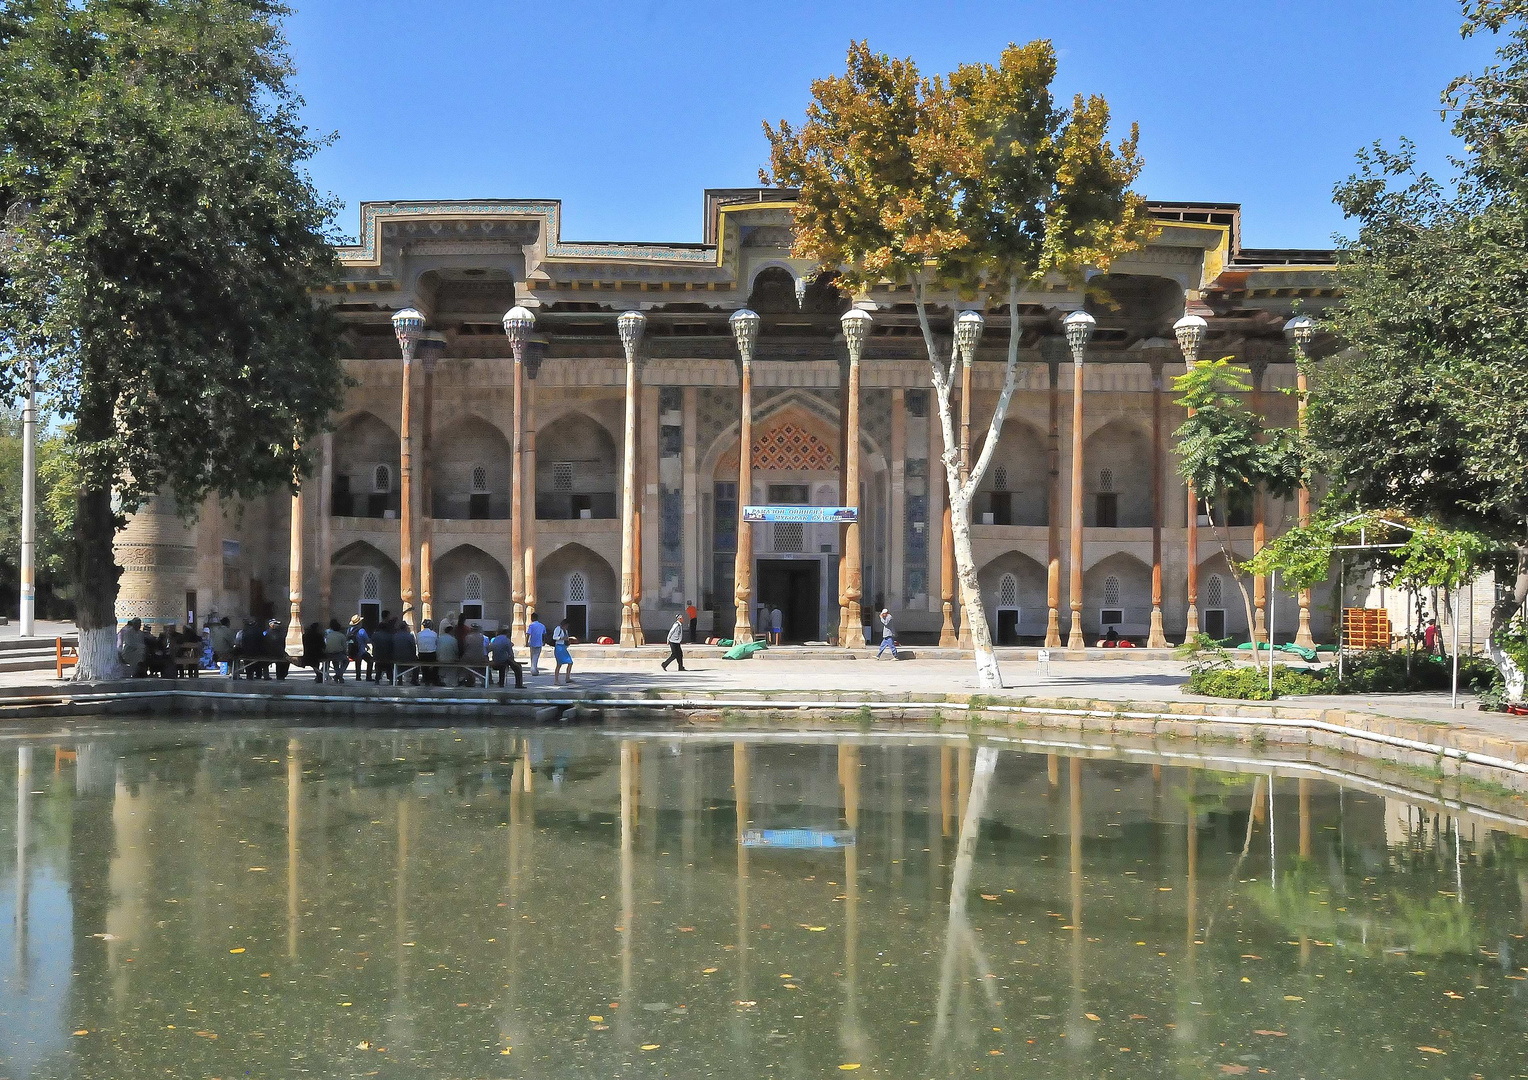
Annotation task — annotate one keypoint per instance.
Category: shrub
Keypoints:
(1246, 684)
(1377, 671)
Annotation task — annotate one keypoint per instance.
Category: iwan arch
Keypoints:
(464, 264)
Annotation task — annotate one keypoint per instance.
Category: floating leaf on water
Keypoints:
(1265, 1031)
(363, 1045)
(1293, 997)
(708, 971)
(849, 1066)
(1091, 1016)
(1233, 1070)
(235, 950)
(988, 896)
(650, 1046)
(596, 1019)
(83, 1031)
(1431, 1050)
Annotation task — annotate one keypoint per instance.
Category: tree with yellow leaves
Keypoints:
(974, 184)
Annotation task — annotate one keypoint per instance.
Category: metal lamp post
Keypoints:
(29, 505)
(968, 334)
(630, 326)
(1190, 332)
(518, 323)
(1301, 331)
(745, 330)
(408, 324)
(851, 631)
(1078, 326)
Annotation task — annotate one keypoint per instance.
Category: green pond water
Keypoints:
(272, 901)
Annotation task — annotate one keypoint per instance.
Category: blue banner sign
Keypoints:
(807, 515)
(798, 839)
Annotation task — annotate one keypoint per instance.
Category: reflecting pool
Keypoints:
(216, 901)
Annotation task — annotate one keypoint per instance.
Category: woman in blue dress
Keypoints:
(560, 642)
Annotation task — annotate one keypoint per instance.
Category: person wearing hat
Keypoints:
(358, 648)
(888, 635)
(275, 648)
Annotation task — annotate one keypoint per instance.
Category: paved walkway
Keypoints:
(783, 671)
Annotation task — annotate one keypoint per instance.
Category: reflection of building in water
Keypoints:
(464, 264)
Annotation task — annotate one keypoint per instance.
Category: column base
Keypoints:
(1053, 629)
(1156, 639)
(1074, 639)
(1303, 636)
(947, 638)
(742, 627)
(517, 626)
(855, 637)
(1260, 623)
(1193, 622)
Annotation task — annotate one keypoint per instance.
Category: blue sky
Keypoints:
(627, 111)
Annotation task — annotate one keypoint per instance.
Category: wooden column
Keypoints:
(745, 329)
(406, 494)
(528, 493)
(1192, 627)
(853, 634)
(517, 502)
(1053, 516)
(1156, 639)
(690, 536)
(326, 529)
(1302, 634)
(964, 639)
(294, 577)
(948, 639)
(429, 352)
(1074, 640)
(629, 570)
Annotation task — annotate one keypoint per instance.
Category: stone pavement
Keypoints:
(780, 672)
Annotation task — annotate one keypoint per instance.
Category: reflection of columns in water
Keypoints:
(1304, 852)
(1053, 771)
(127, 884)
(851, 1035)
(965, 779)
(740, 794)
(23, 871)
(689, 789)
(1076, 1036)
(294, 797)
(401, 1029)
(629, 766)
(936, 825)
(528, 493)
(898, 797)
(946, 792)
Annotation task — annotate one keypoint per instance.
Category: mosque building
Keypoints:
(576, 428)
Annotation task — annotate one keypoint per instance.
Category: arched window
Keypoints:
(479, 499)
(382, 480)
(1111, 591)
(576, 593)
(1111, 614)
(472, 588)
(1105, 479)
(371, 596)
(1008, 610)
(479, 480)
(576, 607)
(1214, 607)
(1000, 478)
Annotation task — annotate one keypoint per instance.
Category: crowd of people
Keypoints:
(386, 650)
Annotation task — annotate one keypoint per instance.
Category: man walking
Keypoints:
(675, 643)
(535, 638)
(888, 635)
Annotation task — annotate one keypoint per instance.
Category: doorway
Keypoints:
(795, 587)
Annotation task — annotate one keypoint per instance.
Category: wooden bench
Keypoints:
(65, 656)
(403, 669)
(188, 658)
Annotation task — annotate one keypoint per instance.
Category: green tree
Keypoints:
(1425, 411)
(1227, 454)
(977, 183)
(161, 245)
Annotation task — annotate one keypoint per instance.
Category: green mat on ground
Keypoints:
(1287, 646)
(725, 642)
(743, 652)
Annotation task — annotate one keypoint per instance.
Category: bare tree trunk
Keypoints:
(1223, 538)
(1512, 675)
(963, 489)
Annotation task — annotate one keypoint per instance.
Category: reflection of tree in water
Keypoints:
(1304, 903)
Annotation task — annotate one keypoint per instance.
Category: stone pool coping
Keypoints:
(1429, 749)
